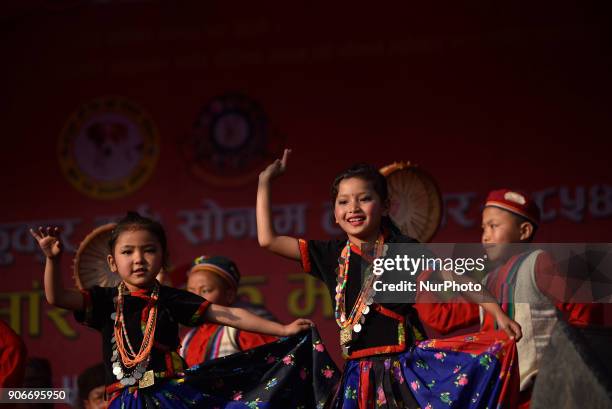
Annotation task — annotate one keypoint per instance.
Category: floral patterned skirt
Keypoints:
(168, 393)
(294, 372)
(468, 371)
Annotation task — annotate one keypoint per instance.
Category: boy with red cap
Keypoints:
(511, 217)
(216, 278)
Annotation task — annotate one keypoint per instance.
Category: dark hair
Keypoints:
(38, 373)
(520, 220)
(90, 379)
(378, 181)
(134, 221)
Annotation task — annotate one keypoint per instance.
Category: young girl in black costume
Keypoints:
(139, 321)
(389, 363)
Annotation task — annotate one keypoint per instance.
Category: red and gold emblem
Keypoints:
(108, 148)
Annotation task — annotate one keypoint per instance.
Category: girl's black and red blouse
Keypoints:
(174, 307)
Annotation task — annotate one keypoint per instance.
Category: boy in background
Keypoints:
(216, 278)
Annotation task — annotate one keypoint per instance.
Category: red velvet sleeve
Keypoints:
(249, 340)
(12, 358)
(194, 350)
(305, 258)
(584, 315)
(444, 317)
(448, 317)
(551, 283)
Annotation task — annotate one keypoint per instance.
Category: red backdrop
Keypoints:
(481, 96)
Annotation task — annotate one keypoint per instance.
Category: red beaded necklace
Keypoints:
(364, 300)
(129, 357)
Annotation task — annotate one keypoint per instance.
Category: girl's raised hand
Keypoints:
(276, 168)
(297, 326)
(48, 240)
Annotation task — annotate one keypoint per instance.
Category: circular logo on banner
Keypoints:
(108, 148)
(230, 142)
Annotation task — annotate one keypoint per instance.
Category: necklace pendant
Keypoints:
(346, 336)
(148, 379)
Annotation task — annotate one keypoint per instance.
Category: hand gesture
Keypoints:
(297, 326)
(48, 240)
(276, 168)
(512, 328)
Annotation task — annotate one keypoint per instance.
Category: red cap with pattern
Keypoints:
(222, 266)
(515, 202)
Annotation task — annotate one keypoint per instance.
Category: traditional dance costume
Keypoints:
(211, 341)
(390, 364)
(522, 278)
(521, 286)
(145, 323)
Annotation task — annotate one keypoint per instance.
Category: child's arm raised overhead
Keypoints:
(282, 245)
(247, 321)
(57, 295)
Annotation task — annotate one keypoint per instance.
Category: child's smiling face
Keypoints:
(137, 258)
(358, 210)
